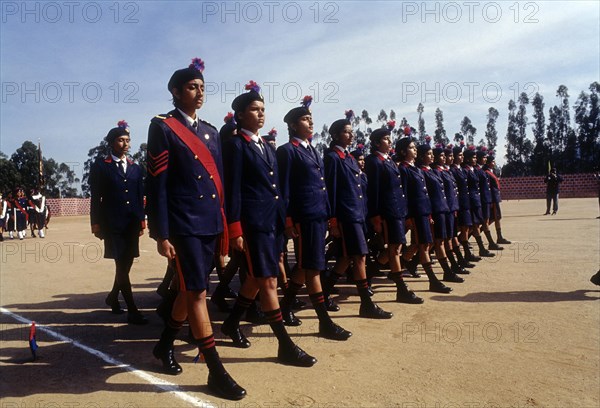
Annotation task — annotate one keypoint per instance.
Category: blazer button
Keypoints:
(127, 202)
(322, 178)
(359, 185)
(201, 196)
(359, 196)
(125, 180)
(324, 188)
(211, 177)
(274, 186)
(195, 157)
(199, 177)
(127, 191)
(270, 173)
(213, 196)
(276, 197)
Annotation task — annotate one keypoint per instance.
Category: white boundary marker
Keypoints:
(157, 382)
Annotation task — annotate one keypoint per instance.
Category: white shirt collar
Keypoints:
(384, 155)
(340, 148)
(255, 138)
(188, 118)
(304, 143)
(118, 159)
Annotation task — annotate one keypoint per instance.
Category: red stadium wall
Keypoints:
(68, 206)
(573, 186)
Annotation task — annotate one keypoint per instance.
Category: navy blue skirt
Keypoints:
(354, 241)
(440, 225)
(422, 232)
(194, 260)
(310, 244)
(394, 231)
(262, 250)
(124, 245)
(476, 215)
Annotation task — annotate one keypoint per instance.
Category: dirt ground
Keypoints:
(522, 331)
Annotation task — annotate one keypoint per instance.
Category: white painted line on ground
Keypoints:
(157, 382)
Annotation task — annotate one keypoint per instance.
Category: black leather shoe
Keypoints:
(330, 305)
(459, 270)
(503, 241)
(439, 287)
(136, 318)
(289, 318)
(167, 356)
(409, 297)
(114, 304)
(452, 277)
(219, 301)
(596, 279)
(255, 315)
(372, 311)
(234, 332)
(495, 247)
(298, 304)
(295, 357)
(225, 387)
(473, 258)
(487, 254)
(333, 331)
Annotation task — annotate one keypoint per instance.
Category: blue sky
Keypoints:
(71, 70)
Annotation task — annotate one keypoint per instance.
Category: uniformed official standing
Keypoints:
(117, 215)
(185, 214)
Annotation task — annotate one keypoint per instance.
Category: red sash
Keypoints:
(204, 156)
(22, 209)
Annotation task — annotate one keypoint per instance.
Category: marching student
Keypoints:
(470, 160)
(486, 196)
(186, 218)
(419, 208)
(39, 211)
(464, 217)
(444, 167)
(348, 215)
(496, 213)
(20, 214)
(256, 217)
(387, 208)
(302, 181)
(3, 215)
(117, 215)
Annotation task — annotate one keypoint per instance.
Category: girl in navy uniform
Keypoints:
(451, 193)
(387, 208)
(419, 210)
(496, 213)
(21, 217)
(256, 217)
(117, 215)
(470, 160)
(3, 215)
(486, 196)
(348, 216)
(302, 180)
(186, 218)
(440, 211)
(464, 217)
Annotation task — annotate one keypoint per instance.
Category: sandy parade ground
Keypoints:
(522, 331)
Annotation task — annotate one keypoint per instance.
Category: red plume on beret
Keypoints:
(197, 64)
(306, 101)
(349, 114)
(407, 130)
(122, 124)
(252, 86)
(391, 125)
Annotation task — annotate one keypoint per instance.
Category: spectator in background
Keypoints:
(552, 181)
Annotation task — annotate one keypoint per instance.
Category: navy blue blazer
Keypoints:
(460, 176)
(253, 200)
(385, 193)
(473, 184)
(181, 197)
(484, 185)
(302, 182)
(436, 190)
(450, 187)
(344, 181)
(117, 199)
(415, 190)
(494, 186)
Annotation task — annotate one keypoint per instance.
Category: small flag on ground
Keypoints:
(32, 343)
